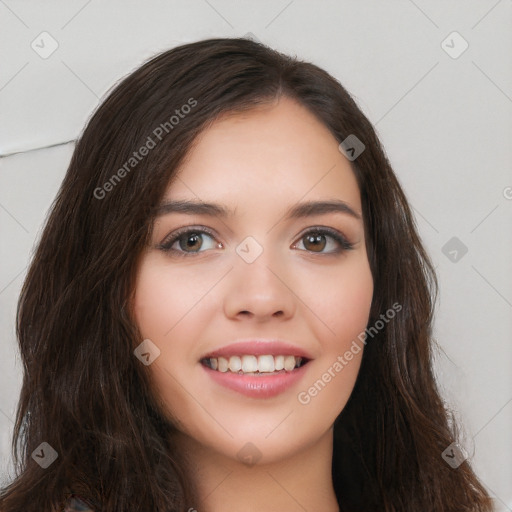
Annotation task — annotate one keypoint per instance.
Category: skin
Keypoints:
(258, 163)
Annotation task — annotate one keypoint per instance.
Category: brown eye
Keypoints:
(189, 241)
(315, 243)
(316, 240)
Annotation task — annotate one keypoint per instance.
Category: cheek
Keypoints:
(164, 296)
(341, 301)
(160, 305)
(153, 293)
(345, 313)
(351, 307)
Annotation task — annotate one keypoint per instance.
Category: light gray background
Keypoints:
(445, 122)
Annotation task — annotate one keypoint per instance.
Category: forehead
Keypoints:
(279, 151)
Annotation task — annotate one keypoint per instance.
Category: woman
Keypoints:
(230, 307)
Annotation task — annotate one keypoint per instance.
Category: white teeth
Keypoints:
(249, 364)
(289, 363)
(266, 363)
(223, 364)
(235, 363)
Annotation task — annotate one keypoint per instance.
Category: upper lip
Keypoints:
(259, 347)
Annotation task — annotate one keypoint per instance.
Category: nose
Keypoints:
(260, 290)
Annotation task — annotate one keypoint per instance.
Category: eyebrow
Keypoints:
(300, 210)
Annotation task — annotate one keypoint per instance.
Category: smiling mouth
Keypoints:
(255, 365)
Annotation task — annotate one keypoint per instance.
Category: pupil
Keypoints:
(316, 240)
(192, 240)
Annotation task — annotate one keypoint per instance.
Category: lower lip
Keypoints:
(260, 386)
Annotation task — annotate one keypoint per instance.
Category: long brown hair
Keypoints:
(87, 395)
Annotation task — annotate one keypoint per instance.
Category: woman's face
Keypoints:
(275, 283)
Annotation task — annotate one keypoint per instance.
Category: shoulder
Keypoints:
(75, 504)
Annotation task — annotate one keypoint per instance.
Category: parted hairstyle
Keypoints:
(87, 395)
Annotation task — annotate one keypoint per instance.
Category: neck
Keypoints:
(302, 481)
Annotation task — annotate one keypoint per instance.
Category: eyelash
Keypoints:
(166, 245)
